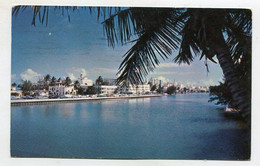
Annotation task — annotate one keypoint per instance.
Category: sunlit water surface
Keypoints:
(174, 127)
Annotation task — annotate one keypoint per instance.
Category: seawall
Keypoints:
(49, 101)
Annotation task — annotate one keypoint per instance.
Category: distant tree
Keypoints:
(67, 81)
(53, 81)
(47, 77)
(98, 90)
(26, 86)
(80, 90)
(220, 94)
(20, 86)
(153, 88)
(77, 84)
(171, 90)
(99, 81)
(116, 91)
(184, 89)
(14, 84)
(59, 80)
(159, 90)
(91, 90)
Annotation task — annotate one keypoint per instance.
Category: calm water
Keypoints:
(173, 127)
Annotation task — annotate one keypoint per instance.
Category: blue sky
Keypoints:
(64, 48)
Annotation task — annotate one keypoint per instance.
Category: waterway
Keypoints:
(184, 126)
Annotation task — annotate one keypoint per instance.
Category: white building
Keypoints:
(60, 90)
(107, 89)
(156, 81)
(85, 82)
(16, 94)
(141, 89)
(137, 89)
(42, 93)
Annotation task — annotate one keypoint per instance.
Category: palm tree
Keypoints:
(14, 84)
(76, 84)
(26, 87)
(53, 81)
(67, 81)
(47, 78)
(170, 90)
(99, 81)
(221, 33)
(156, 32)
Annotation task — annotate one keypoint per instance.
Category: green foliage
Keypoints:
(91, 90)
(220, 94)
(67, 81)
(159, 31)
(159, 90)
(14, 84)
(47, 77)
(153, 88)
(171, 90)
(53, 81)
(99, 81)
(77, 84)
(116, 91)
(26, 86)
(80, 91)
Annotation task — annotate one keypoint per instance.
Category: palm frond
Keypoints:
(239, 34)
(189, 41)
(239, 41)
(42, 12)
(157, 32)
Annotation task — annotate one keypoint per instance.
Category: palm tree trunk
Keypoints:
(239, 94)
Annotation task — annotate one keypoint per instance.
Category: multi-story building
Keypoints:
(156, 81)
(85, 82)
(136, 89)
(142, 89)
(59, 90)
(107, 89)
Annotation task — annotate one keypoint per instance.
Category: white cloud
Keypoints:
(169, 65)
(72, 76)
(75, 72)
(79, 71)
(31, 75)
(163, 79)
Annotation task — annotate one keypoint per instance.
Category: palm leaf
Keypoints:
(157, 31)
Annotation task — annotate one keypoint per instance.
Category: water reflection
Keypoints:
(176, 127)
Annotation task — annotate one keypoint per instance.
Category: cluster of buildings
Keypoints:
(180, 87)
(107, 88)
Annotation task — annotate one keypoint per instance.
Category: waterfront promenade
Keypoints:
(46, 101)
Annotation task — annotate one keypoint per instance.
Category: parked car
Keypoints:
(53, 97)
(27, 97)
(41, 97)
(15, 97)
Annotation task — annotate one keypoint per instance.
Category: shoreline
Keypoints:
(49, 101)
